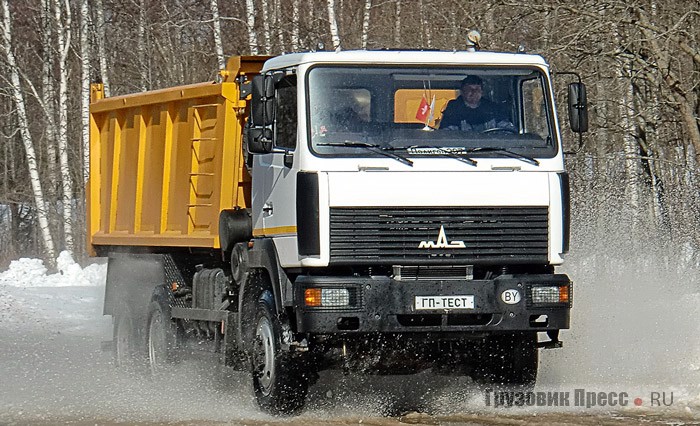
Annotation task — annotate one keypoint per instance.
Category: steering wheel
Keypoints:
(500, 129)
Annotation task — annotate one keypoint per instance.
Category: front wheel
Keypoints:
(279, 380)
(509, 359)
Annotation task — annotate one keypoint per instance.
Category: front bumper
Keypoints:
(382, 304)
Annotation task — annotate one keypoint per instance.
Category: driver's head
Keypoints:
(471, 89)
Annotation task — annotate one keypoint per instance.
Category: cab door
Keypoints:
(275, 199)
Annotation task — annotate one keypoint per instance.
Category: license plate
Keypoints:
(444, 302)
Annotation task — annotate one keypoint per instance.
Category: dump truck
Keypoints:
(308, 212)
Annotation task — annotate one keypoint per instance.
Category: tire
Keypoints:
(239, 263)
(161, 340)
(510, 360)
(127, 340)
(279, 380)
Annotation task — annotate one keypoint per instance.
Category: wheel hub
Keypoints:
(265, 355)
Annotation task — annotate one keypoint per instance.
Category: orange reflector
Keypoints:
(564, 294)
(173, 286)
(312, 297)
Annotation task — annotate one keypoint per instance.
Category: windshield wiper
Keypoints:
(507, 152)
(385, 151)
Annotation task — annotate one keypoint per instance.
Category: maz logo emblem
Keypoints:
(441, 242)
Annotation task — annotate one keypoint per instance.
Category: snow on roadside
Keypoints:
(70, 300)
(27, 272)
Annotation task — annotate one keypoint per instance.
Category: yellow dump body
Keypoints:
(163, 164)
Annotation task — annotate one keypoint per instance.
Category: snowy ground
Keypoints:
(69, 301)
(52, 369)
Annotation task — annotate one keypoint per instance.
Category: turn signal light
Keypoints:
(564, 294)
(312, 297)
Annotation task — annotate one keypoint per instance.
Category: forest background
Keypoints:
(635, 180)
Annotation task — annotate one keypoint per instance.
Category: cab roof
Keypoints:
(406, 57)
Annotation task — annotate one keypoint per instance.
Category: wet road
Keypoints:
(53, 371)
(57, 377)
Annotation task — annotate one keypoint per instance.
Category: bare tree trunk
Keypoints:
(267, 37)
(333, 22)
(85, 86)
(631, 149)
(295, 25)
(23, 122)
(278, 20)
(397, 28)
(250, 17)
(101, 51)
(365, 23)
(220, 60)
(628, 128)
(141, 47)
(63, 30)
(426, 35)
(48, 94)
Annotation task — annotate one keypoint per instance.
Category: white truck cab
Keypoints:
(350, 122)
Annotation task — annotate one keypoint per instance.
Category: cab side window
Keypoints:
(286, 126)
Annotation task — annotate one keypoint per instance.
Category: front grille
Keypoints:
(490, 235)
(434, 272)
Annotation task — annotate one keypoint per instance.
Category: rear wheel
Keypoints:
(161, 340)
(279, 380)
(509, 359)
(127, 339)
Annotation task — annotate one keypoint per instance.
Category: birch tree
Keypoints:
(397, 27)
(63, 33)
(333, 23)
(100, 41)
(295, 25)
(85, 85)
(365, 23)
(141, 46)
(426, 34)
(267, 35)
(627, 122)
(25, 135)
(48, 92)
(250, 19)
(278, 21)
(218, 46)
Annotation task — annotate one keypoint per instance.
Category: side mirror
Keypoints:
(259, 140)
(578, 108)
(261, 104)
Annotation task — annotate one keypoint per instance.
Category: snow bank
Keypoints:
(27, 272)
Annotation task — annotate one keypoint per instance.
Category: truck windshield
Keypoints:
(477, 110)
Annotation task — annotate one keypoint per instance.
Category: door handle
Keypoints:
(267, 208)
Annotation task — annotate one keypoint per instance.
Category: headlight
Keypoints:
(326, 297)
(549, 294)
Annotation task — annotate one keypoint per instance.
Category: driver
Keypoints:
(471, 112)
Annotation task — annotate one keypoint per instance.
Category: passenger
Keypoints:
(471, 112)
